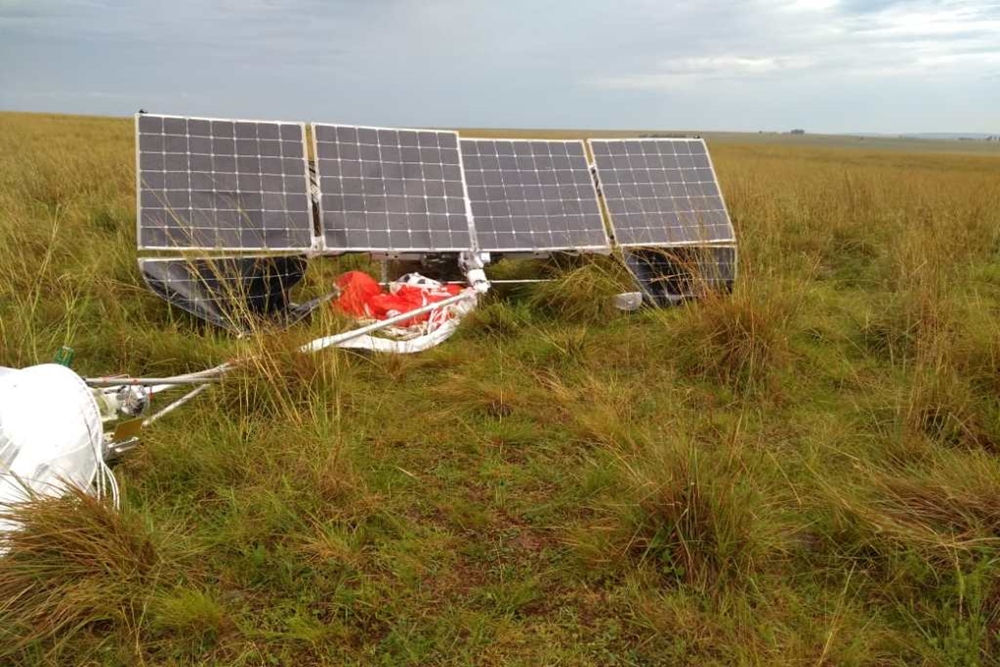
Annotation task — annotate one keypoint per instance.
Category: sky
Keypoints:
(823, 65)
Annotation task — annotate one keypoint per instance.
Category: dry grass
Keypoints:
(76, 565)
(802, 472)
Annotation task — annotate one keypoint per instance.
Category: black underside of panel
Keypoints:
(671, 275)
(234, 293)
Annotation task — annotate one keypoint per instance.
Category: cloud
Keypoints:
(858, 65)
(688, 71)
(808, 38)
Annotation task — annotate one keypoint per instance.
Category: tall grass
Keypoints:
(800, 472)
(75, 565)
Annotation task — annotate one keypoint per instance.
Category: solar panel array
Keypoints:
(211, 184)
(391, 190)
(532, 196)
(661, 192)
(222, 184)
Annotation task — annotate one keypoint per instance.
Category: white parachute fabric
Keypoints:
(442, 324)
(51, 435)
(428, 314)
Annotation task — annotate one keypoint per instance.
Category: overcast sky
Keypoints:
(847, 66)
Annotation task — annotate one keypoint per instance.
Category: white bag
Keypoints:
(51, 434)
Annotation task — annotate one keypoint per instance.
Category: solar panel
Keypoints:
(661, 192)
(391, 190)
(222, 184)
(532, 195)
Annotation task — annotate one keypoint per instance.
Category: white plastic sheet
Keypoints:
(51, 434)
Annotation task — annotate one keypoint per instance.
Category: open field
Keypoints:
(804, 473)
(868, 143)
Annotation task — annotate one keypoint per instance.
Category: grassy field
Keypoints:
(876, 143)
(803, 473)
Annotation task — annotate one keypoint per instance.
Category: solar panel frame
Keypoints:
(309, 213)
(386, 249)
(618, 228)
(604, 247)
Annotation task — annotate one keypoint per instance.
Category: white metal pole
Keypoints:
(328, 341)
(173, 406)
(215, 373)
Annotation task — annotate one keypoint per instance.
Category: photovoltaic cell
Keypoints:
(661, 192)
(391, 190)
(222, 184)
(535, 195)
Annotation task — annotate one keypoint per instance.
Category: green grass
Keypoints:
(802, 473)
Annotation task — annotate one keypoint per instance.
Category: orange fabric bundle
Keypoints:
(362, 296)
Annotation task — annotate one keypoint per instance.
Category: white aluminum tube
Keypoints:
(215, 373)
(173, 406)
(208, 375)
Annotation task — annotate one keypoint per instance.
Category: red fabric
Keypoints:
(361, 296)
(356, 289)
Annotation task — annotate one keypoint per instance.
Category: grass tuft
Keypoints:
(583, 294)
(691, 518)
(685, 514)
(740, 341)
(76, 566)
(188, 615)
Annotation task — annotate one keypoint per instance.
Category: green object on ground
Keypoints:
(64, 356)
